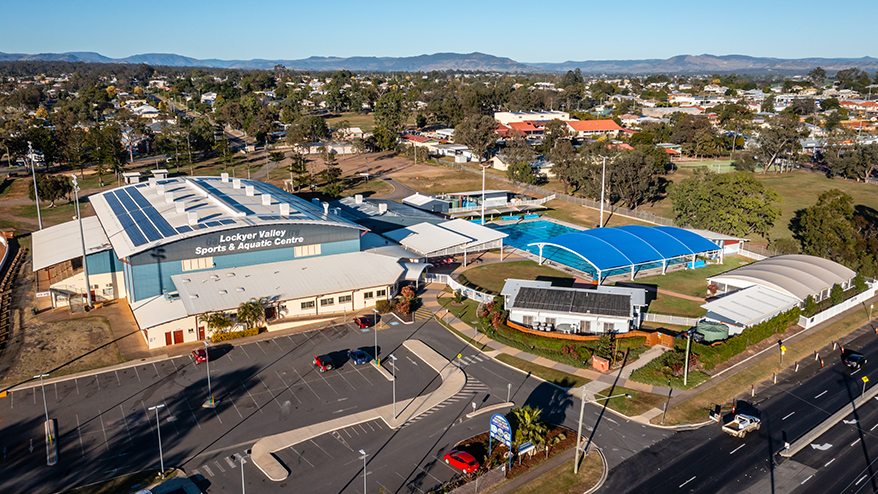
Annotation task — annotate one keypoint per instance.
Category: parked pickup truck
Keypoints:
(742, 425)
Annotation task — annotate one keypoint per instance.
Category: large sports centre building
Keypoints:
(181, 247)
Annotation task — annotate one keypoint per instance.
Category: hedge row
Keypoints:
(216, 338)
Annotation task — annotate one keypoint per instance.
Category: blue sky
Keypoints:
(526, 31)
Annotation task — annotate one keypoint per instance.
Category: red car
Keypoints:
(324, 363)
(363, 322)
(462, 460)
(200, 355)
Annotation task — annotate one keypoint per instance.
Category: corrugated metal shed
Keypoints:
(749, 306)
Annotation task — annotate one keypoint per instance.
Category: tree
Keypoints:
(390, 112)
(632, 179)
(477, 133)
(817, 76)
(856, 161)
(731, 203)
(566, 165)
(51, 188)
(554, 131)
(781, 138)
(525, 421)
(826, 229)
(519, 157)
(745, 162)
(298, 170)
(276, 157)
(767, 104)
(217, 322)
(252, 312)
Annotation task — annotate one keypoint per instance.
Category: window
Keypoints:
(527, 320)
(367, 295)
(200, 263)
(108, 291)
(550, 320)
(609, 327)
(308, 305)
(381, 293)
(307, 250)
(344, 299)
(327, 301)
(585, 326)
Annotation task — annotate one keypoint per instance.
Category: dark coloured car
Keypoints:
(200, 355)
(359, 357)
(363, 322)
(854, 360)
(462, 460)
(324, 363)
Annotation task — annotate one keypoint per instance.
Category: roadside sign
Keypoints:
(500, 429)
(459, 355)
(783, 348)
(44, 294)
(865, 379)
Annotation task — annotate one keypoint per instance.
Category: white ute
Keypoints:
(742, 425)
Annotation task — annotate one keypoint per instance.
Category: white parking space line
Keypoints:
(157, 375)
(287, 386)
(260, 347)
(221, 469)
(100, 416)
(207, 469)
(79, 430)
(828, 462)
(684, 483)
(171, 418)
(56, 392)
(861, 479)
(76, 382)
(192, 412)
(245, 352)
(321, 449)
(428, 473)
(346, 380)
(346, 432)
(789, 415)
(270, 393)
(855, 442)
(809, 478)
(278, 344)
(302, 457)
(327, 382)
(302, 379)
(175, 365)
(821, 394)
(230, 462)
(146, 414)
(736, 449)
(364, 429)
(125, 421)
(854, 372)
(137, 374)
(114, 372)
(251, 396)
(410, 485)
(96, 380)
(228, 396)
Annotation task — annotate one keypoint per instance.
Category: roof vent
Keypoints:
(169, 197)
(187, 280)
(236, 183)
(326, 208)
(223, 292)
(230, 275)
(250, 190)
(179, 207)
(284, 209)
(152, 182)
(214, 277)
(266, 199)
(239, 289)
(358, 199)
(336, 211)
(224, 177)
(160, 190)
(193, 295)
(314, 200)
(382, 208)
(193, 218)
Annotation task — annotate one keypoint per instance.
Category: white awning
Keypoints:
(62, 242)
(749, 306)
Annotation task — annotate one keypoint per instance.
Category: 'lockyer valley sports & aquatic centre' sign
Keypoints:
(500, 429)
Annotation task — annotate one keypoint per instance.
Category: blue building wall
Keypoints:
(149, 280)
(103, 262)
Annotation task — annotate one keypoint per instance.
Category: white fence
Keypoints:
(661, 318)
(530, 202)
(807, 322)
(457, 287)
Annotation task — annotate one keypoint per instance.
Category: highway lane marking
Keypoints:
(251, 396)
(684, 483)
(736, 449)
(828, 462)
(821, 394)
(861, 479)
(137, 373)
(321, 449)
(809, 478)
(125, 421)
(302, 457)
(79, 430)
(855, 442)
(100, 416)
(788, 416)
(287, 386)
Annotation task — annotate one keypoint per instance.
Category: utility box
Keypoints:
(600, 364)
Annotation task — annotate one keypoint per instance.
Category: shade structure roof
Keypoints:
(749, 306)
(425, 238)
(795, 275)
(631, 245)
(63, 242)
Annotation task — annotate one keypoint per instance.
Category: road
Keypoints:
(106, 429)
(708, 460)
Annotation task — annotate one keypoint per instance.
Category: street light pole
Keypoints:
(670, 390)
(158, 428)
(45, 407)
(364, 469)
(603, 182)
(579, 429)
(82, 238)
(243, 489)
(483, 194)
(393, 364)
(508, 391)
(33, 168)
(375, 330)
(210, 403)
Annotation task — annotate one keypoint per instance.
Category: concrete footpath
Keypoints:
(453, 380)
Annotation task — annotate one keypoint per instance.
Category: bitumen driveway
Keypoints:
(709, 460)
(266, 387)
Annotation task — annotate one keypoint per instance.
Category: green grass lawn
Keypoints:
(675, 306)
(639, 402)
(124, 484)
(562, 480)
(692, 282)
(556, 377)
(585, 216)
(364, 121)
(491, 277)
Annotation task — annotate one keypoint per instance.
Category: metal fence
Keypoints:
(467, 292)
(661, 318)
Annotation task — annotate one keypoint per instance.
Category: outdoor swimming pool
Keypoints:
(522, 234)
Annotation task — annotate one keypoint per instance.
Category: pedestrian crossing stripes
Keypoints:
(470, 389)
(232, 461)
(471, 359)
(423, 313)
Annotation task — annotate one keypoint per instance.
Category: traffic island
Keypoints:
(453, 380)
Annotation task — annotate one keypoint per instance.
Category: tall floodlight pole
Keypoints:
(243, 488)
(362, 452)
(33, 169)
(210, 403)
(82, 239)
(158, 428)
(603, 183)
(483, 195)
(579, 429)
(393, 364)
(45, 407)
(375, 330)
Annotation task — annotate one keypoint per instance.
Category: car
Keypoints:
(854, 360)
(363, 322)
(359, 357)
(199, 355)
(324, 363)
(462, 460)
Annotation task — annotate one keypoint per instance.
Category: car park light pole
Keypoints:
(243, 488)
(210, 403)
(158, 428)
(375, 329)
(45, 407)
(393, 364)
(579, 430)
(33, 169)
(362, 452)
(82, 238)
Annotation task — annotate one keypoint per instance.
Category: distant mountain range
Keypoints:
(481, 62)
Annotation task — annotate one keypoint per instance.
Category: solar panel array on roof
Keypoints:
(575, 301)
(140, 220)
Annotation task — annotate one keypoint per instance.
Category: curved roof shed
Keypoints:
(795, 275)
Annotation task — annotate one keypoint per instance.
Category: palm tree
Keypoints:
(252, 312)
(527, 426)
(217, 322)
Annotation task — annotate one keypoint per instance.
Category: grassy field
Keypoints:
(585, 216)
(491, 277)
(124, 484)
(440, 179)
(692, 282)
(365, 121)
(561, 480)
(556, 377)
(639, 402)
(695, 409)
(369, 188)
(718, 166)
(675, 306)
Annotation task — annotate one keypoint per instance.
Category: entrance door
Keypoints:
(201, 332)
(178, 336)
(168, 339)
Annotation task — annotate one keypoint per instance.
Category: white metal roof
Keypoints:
(425, 238)
(749, 306)
(795, 275)
(224, 289)
(61, 243)
(714, 236)
(157, 310)
(133, 215)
